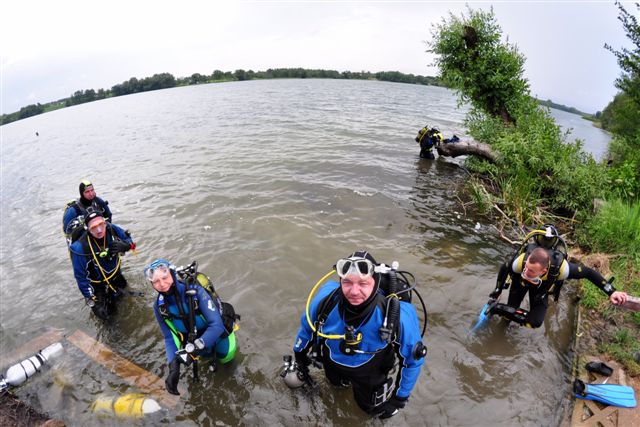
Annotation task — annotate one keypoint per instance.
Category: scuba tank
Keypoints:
(291, 375)
(392, 315)
(131, 405)
(18, 373)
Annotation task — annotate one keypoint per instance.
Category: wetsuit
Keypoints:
(99, 276)
(367, 373)
(209, 324)
(539, 294)
(79, 208)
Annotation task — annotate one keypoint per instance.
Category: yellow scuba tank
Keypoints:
(132, 405)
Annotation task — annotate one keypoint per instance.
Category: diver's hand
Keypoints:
(495, 294)
(171, 383)
(391, 407)
(618, 298)
(302, 360)
(119, 246)
(99, 307)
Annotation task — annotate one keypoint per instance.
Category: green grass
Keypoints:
(615, 229)
(622, 346)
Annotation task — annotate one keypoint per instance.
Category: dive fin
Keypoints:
(485, 314)
(609, 394)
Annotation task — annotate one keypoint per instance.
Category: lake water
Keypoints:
(267, 184)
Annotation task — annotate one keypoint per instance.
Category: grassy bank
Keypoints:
(539, 175)
(615, 230)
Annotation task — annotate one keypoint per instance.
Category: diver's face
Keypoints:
(533, 272)
(97, 227)
(357, 289)
(89, 193)
(162, 280)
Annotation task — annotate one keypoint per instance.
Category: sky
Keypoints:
(50, 49)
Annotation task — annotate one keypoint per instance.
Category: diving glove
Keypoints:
(119, 246)
(171, 383)
(391, 407)
(99, 307)
(302, 360)
(302, 366)
(495, 294)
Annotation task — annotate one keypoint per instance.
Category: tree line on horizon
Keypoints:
(167, 80)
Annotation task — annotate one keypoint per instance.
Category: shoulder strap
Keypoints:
(326, 306)
(178, 337)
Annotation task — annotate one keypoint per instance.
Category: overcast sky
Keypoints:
(50, 49)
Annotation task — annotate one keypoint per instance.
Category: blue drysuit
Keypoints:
(209, 324)
(368, 371)
(85, 252)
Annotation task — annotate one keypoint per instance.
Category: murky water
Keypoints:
(266, 184)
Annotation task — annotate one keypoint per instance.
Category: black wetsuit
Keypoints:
(539, 294)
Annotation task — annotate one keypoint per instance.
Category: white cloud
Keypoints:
(50, 49)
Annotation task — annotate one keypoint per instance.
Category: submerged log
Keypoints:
(469, 148)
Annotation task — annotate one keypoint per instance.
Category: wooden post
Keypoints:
(133, 374)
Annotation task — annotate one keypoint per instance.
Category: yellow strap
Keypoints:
(106, 279)
(519, 265)
(424, 134)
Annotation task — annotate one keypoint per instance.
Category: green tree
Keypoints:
(539, 173)
(30, 110)
(475, 63)
(621, 116)
(240, 75)
(629, 59)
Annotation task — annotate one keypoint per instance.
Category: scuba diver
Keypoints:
(357, 330)
(75, 211)
(95, 257)
(540, 268)
(429, 138)
(194, 321)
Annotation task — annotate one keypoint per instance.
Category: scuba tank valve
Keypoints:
(290, 374)
(18, 373)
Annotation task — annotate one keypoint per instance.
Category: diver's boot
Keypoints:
(517, 315)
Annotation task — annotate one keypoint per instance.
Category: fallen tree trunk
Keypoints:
(469, 148)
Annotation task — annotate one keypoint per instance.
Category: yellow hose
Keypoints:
(313, 328)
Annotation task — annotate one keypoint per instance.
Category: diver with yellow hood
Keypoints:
(540, 268)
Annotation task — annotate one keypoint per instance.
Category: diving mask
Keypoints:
(360, 266)
(157, 269)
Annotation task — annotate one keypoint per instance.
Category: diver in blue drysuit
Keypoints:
(95, 257)
(78, 209)
(210, 337)
(363, 361)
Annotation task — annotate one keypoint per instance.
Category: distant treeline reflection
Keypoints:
(167, 80)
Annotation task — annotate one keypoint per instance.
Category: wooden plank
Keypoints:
(633, 303)
(31, 347)
(133, 374)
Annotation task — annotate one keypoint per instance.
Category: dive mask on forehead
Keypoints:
(161, 266)
(360, 266)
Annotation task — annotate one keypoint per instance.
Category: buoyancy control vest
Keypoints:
(226, 310)
(95, 253)
(73, 231)
(394, 286)
(550, 283)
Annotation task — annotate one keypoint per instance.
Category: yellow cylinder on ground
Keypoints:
(133, 405)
